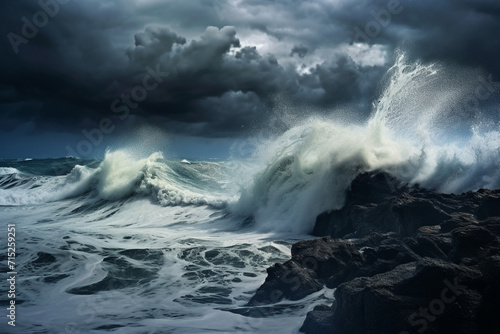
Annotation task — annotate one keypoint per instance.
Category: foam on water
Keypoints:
(141, 268)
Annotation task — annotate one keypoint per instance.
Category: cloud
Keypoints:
(152, 43)
(300, 50)
(227, 60)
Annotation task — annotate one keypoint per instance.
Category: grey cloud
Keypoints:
(152, 43)
(300, 50)
(221, 83)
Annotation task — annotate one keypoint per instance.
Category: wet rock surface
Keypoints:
(402, 260)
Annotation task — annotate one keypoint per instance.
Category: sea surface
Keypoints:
(140, 242)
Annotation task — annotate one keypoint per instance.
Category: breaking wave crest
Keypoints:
(118, 177)
(307, 170)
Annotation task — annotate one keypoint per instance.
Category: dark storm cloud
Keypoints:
(465, 32)
(225, 62)
(300, 50)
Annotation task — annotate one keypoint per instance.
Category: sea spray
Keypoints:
(307, 169)
(119, 175)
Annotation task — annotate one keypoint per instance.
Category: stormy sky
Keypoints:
(211, 72)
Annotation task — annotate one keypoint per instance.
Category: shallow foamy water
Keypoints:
(136, 267)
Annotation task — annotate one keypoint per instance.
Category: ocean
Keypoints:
(145, 243)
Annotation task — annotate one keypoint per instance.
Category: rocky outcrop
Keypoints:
(431, 295)
(288, 280)
(379, 203)
(415, 262)
(313, 263)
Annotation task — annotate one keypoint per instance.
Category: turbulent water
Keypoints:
(158, 245)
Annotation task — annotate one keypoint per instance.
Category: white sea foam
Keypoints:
(145, 268)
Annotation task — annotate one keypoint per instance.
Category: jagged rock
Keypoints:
(289, 280)
(406, 246)
(313, 263)
(327, 256)
(372, 240)
(319, 320)
(368, 209)
(492, 224)
(414, 213)
(379, 260)
(430, 246)
(379, 203)
(489, 207)
(472, 242)
(390, 302)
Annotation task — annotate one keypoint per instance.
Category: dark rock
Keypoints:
(373, 239)
(416, 261)
(458, 220)
(472, 242)
(383, 259)
(492, 224)
(289, 280)
(327, 256)
(313, 263)
(335, 224)
(412, 213)
(368, 208)
(380, 203)
(490, 268)
(390, 302)
(362, 300)
(370, 254)
(428, 246)
(489, 207)
(489, 320)
(319, 320)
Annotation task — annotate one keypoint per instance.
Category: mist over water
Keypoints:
(144, 245)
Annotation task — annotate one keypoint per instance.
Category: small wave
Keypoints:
(8, 170)
(26, 190)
